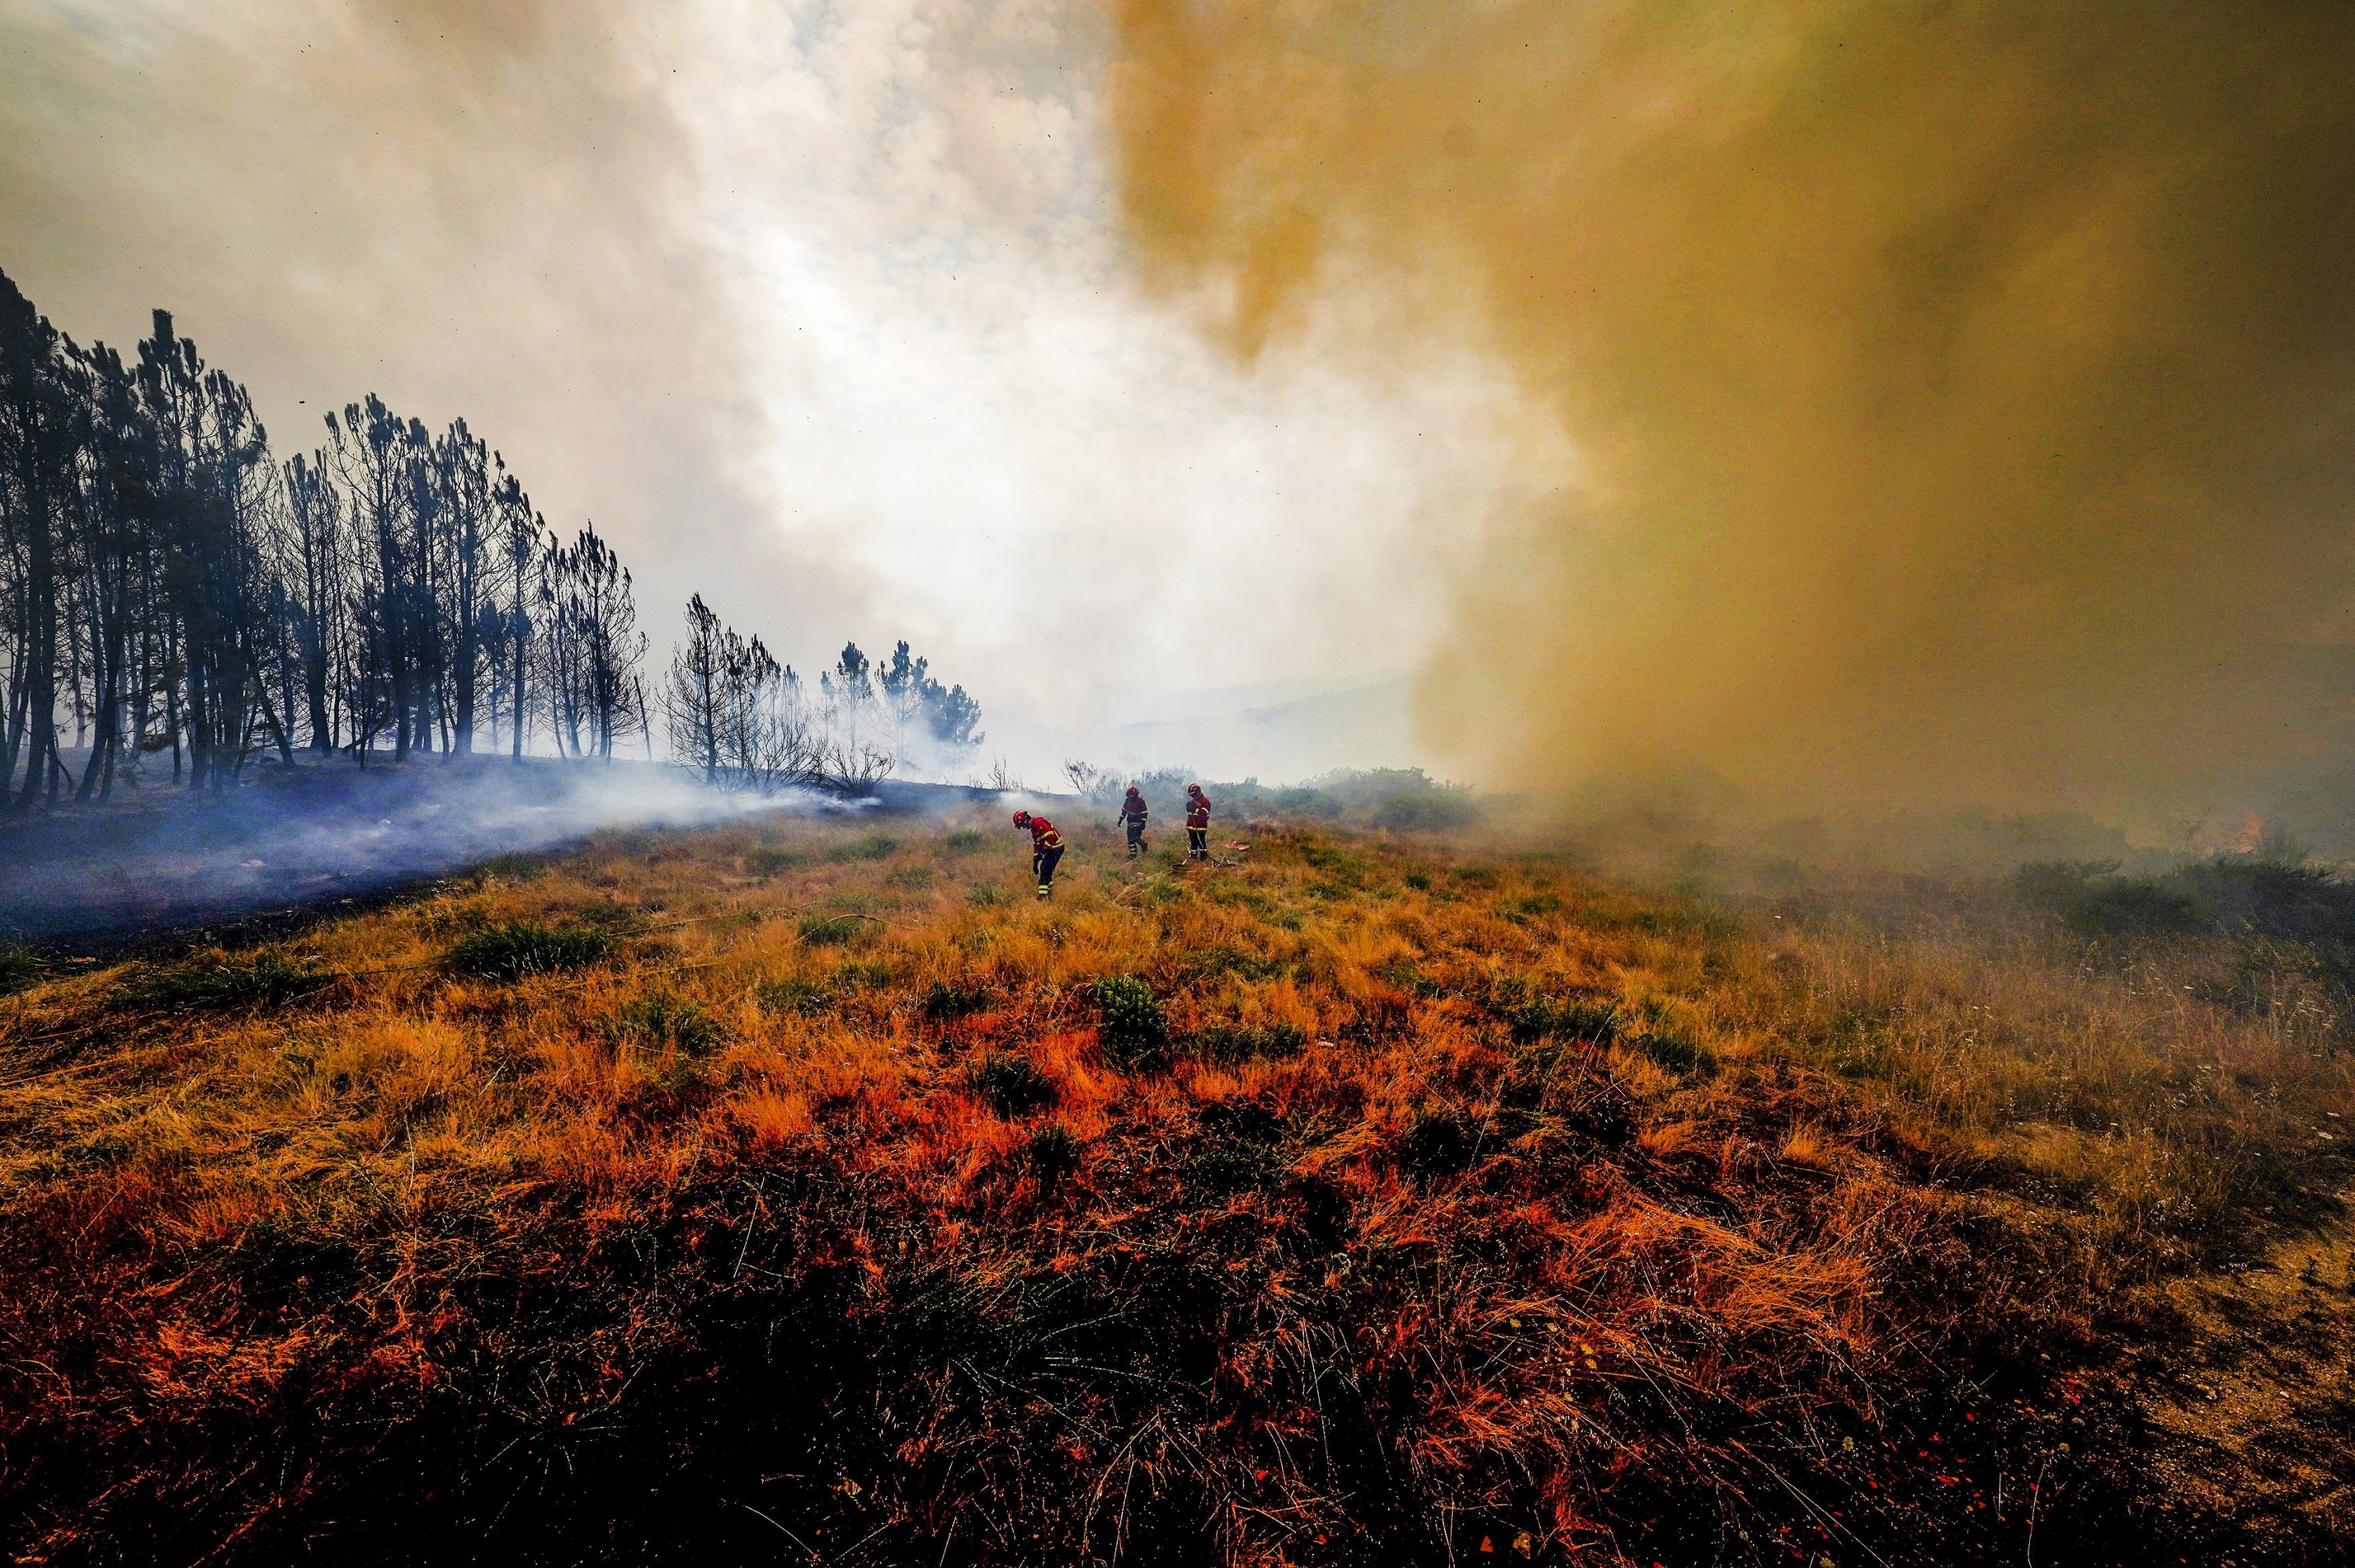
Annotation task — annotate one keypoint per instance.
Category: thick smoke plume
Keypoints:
(1957, 396)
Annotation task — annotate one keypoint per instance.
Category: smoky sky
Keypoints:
(1939, 400)
(822, 311)
(474, 207)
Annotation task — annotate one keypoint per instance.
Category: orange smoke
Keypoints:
(1959, 394)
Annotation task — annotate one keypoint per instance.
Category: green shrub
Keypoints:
(867, 846)
(521, 948)
(2090, 897)
(19, 970)
(1054, 1152)
(221, 980)
(1435, 810)
(2127, 906)
(1012, 1087)
(1130, 1025)
(767, 860)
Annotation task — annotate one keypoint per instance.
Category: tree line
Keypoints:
(171, 591)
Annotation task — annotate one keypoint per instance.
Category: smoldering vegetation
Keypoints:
(321, 836)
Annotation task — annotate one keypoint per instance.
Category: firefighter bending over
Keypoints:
(1132, 817)
(1046, 849)
(1198, 823)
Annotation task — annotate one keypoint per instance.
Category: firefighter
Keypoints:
(1046, 849)
(1132, 817)
(1198, 823)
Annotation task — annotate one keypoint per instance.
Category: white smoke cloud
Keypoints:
(819, 310)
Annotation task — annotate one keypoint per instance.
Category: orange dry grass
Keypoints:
(722, 1248)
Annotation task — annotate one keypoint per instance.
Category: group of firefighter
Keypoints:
(1047, 842)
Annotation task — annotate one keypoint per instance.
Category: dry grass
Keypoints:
(1466, 1207)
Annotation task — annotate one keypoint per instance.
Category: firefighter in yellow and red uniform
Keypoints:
(1046, 849)
(1198, 823)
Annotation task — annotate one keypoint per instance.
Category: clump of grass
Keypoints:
(867, 846)
(1522, 909)
(946, 1001)
(767, 860)
(518, 949)
(1341, 868)
(1440, 1141)
(1674, 1045)
(1130, 1027)
(1011, 1085)
(833, 930)
(1242, 1150)
(673, 1020)
(793, 996)
(863, 974)
(1583, 1018)
(19, 970)
(1054, 1152)
(220, 981)
(1231, 1044)
(964, 840)
(1229, 959)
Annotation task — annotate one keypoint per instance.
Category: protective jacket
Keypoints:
(1197, 809)
(1133, 808)
(1043, 836)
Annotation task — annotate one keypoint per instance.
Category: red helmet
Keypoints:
(1132, 789)
(1021, 819)
(1193, 789)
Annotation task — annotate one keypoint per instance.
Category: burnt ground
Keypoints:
(2247, 1390)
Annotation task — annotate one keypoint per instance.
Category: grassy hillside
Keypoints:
(808, 1192)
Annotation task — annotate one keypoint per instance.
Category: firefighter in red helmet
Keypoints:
(1198, 823)
(1046, 849)
(1132, 817)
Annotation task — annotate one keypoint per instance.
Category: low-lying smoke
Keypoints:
(1958, 395)
(313, 836)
